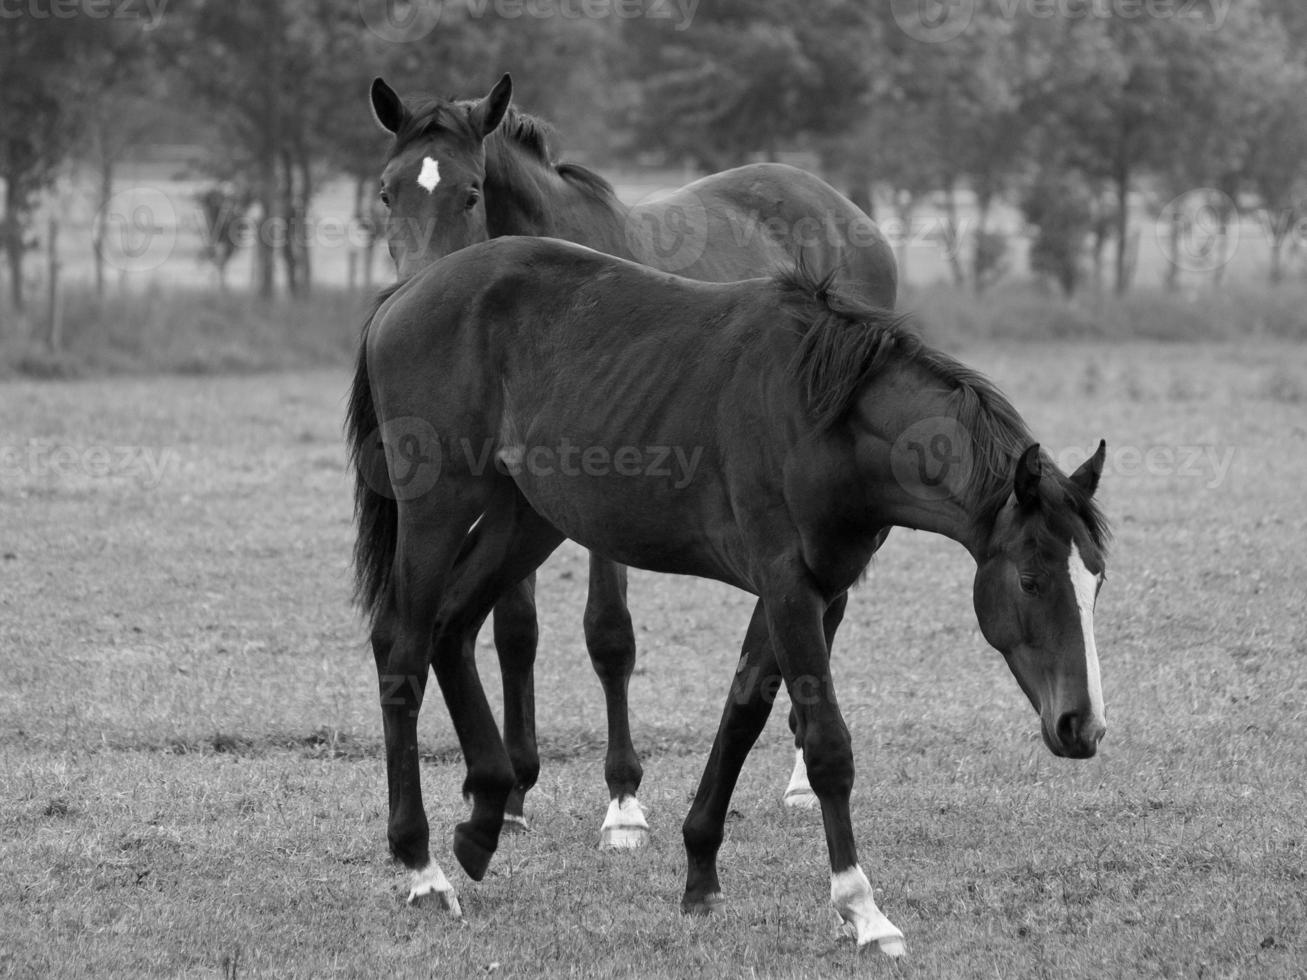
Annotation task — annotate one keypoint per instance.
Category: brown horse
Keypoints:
(462, 172)
(763, 433)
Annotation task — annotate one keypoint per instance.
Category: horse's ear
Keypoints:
(489, 112)
(1025, 482)
(1086, 477)
(387, 109)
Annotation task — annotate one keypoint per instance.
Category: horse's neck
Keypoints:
(920, 456)
(524, 197)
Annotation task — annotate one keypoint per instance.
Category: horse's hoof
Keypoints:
(703, 905)
(430, 886)
(804, 799)
(893, 948)
(624, 825)
(515, 823)
(472, 851)
(623, 838)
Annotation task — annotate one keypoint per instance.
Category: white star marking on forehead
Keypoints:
(429, 176)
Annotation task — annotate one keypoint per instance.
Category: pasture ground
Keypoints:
(190, 773)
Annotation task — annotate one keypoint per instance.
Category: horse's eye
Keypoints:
(1029, 585)
(473, 196)
(385, 198)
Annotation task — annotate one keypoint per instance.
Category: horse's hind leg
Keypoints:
(511, 541)
(401, 644)
(611, 643)
(799, 792)
(516, 636)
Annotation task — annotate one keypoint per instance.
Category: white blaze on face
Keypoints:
(429, 176)
(1085, 584)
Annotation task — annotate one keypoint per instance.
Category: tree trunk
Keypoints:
(904, 205)
(953, 234)
(303, 233)
(1122, 226)
(1174, 234)
(54, 336)
(289, 258)
(355, 253)
(1277, 256)
(264, 244)
(97, 240)
(12, 229)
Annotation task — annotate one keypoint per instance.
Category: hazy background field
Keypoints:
(190, 744)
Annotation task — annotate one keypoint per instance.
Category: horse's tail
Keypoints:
(374, 507)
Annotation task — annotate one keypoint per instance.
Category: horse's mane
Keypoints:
(519, 130)
(532, 135)
(846, 341)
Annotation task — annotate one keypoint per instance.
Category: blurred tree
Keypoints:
(1276, 166)
(39, 121)
(751, 77)
(272, 76)
(1059, 204)
(118, 90)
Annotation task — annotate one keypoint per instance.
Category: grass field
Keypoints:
(190, 773)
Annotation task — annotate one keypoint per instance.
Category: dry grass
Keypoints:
(189, 750)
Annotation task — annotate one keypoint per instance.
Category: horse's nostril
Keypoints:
(1068, 728)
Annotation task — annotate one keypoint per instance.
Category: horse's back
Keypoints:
(761, 217)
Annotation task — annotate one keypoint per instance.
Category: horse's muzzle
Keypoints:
(1073, 737)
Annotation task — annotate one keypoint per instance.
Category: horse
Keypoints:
(524, 389)
(460, 172)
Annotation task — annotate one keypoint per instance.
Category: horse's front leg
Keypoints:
(611, 643)
(754, 688)
(795, 620)
(516, 635)
(798, 793)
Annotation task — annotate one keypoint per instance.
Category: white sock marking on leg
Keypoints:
(624, 825)
(850, 893)
(799, 792)
(432, 881)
